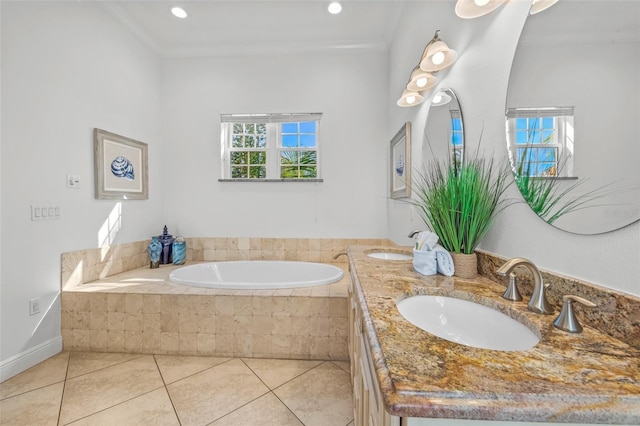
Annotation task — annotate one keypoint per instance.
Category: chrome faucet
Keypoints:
(538, 302)
(413, 233)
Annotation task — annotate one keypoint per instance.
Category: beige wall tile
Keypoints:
(151, 342)
(262, 345)
(81, 340)
(151, 303)
(262, 325)
(188, 343)
(116, 321)
(170, 342)
(225, 344)
(242, 305)
(97, 320)
(187, 304)
(169, 303)
(281, 326)
(133, 341)
(206, 324)
(319, 347)
(300, 346)
(319, 326)
(206, 343)
(261, 305)
(133, 303)
(224, 305)
(98, 340)
(169, 323)
(133, 322)
(152, 323)
(187, 323)
(301, 326)
(98, 302)
(224, 324)
(281, 346)
(116, 302)
(115, 341)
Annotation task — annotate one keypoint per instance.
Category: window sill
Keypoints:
(555, 177)
(271, 180)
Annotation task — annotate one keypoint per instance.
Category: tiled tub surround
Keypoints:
(140, 311)
(582, 378)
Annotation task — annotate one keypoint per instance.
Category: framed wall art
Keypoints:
(120, 167)
(400, 173)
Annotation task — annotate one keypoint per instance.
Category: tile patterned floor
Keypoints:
(94, 389)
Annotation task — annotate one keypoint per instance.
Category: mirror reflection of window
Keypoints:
(541, 141)
(457, 137)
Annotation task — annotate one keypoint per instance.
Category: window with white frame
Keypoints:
(541, 141)
(270, 146)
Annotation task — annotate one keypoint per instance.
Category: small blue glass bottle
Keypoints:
(154, 250)
(179, 251)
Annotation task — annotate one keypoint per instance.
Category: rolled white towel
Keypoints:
(444, 261)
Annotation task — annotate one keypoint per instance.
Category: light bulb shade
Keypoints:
(540, 5)
(440, 99)
(334, 7)
(438, 48)
(469, 9)
(421, 81)
(409, 99)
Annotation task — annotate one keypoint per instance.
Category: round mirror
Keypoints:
(572, 115)
(445, 129)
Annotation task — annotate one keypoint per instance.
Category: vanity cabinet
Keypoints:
(368, 406)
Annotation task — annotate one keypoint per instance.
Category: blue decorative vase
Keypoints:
(155, 250)
(179, 251)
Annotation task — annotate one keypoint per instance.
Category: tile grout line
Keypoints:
(271, 391)
(64, 387)
(175, 411)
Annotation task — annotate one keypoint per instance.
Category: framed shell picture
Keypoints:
(120, 167)
(400, 173)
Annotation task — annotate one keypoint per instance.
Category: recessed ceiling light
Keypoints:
(178, 12)
(334, 7)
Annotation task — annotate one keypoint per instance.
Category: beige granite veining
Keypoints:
(589, 377)
(616, 314)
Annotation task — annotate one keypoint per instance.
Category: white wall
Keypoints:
(350, 91)
(480, 78)
(67, 67)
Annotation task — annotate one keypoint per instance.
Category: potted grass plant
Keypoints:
(459, 201)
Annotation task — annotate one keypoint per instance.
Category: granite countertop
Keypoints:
(588, 377)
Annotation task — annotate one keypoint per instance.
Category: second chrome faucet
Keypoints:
(538, 302)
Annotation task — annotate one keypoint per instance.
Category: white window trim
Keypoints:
(272, 149)
(563, 137)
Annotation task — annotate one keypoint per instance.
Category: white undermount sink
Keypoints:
(467, 323)
(386, 255)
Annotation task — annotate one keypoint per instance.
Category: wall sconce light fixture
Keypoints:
(410, 98)
(436, 56)
(440, 98)
(469, 9)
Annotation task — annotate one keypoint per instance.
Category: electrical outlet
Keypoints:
(34, 306)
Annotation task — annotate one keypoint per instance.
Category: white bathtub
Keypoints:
(257, 274)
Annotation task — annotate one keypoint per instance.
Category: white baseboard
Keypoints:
(27, 359)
